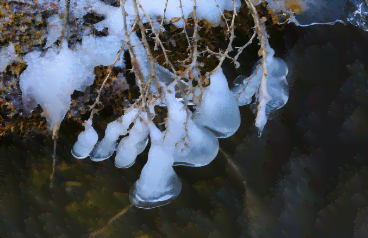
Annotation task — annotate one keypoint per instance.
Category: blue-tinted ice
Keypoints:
(219, 109)
(158, 184)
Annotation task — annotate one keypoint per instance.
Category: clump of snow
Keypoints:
(101, 50)
(86, 142)
(210, 9)
(50, 80)
(7, 55)
(54, 29)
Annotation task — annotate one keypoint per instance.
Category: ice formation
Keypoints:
(106, 147)
(189, 138)
(7, 55)
(313, 12)
(219, 110)
(86, 142)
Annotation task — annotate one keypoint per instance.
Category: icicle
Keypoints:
(132, 145)
(219, 110)
(86, 141)
(106, 147)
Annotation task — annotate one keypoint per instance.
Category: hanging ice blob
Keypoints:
(201, 147)
(273, 93)
(219, 109)
(158, 183)
(132, 145)
(86, 142)
(245, 87)
(106, 147)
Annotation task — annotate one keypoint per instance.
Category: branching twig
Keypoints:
(109, 73)
(232, 37)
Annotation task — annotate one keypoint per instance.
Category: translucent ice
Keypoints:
(202, 147)
(86, 142)
(158, 184)
(273, 93)
(132, 145)
(320, 12)
(106, 147)
(244, 88)
(219, 109)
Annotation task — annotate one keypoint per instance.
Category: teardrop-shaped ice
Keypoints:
(106, 147)
(219, 109)
(273, 93)
(245, 87)
(132, 145)
(158, 184)
(86, 141)
(203, 147)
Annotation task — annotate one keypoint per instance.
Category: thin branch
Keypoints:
(232, 37)
(111, 220)
(65, 21)
(109, 73)
(54, 137)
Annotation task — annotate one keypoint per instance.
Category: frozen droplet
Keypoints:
(106, 147)
(86, 142)
(219, 109)
(132, 145)
(158, 184)
(273, 93)
(202, 148)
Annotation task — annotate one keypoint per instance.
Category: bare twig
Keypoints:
(111, 220)
(232, 37)
(65, 21)
(54, 137)
(109, 73)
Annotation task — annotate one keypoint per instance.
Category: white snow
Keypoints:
(210, 9)
(7, 55)
(50, 80)
(54, 29)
